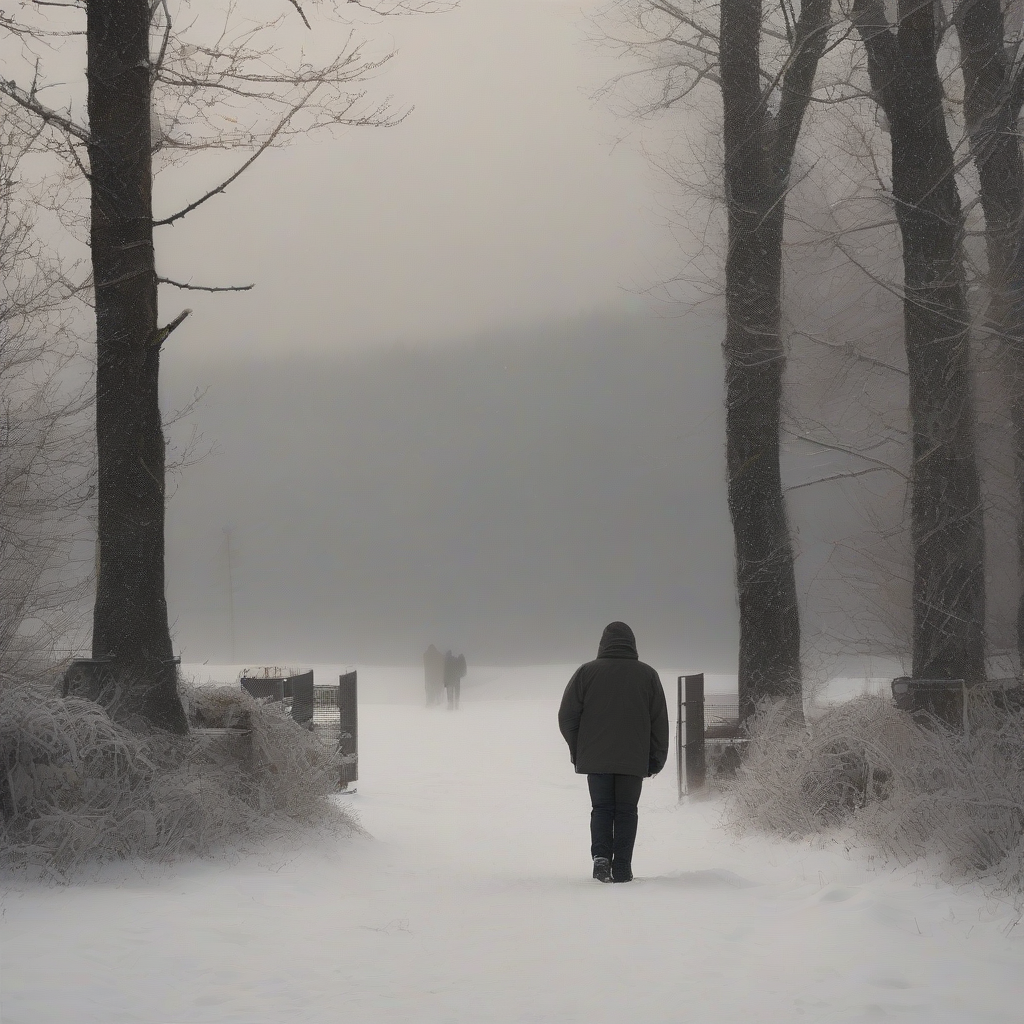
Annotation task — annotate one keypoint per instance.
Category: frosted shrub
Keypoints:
(906, 789)
(81, 788)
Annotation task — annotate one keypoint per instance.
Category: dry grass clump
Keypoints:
(906, 789)
(81, 788)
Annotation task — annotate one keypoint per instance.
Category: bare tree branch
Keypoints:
(810, 37)
(302, 13)
(29, 102)
(164, 332)
(185, 211)
(846, 450)
(206, 288)
(843, 476)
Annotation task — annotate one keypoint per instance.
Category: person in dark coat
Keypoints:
(454, 670)
(614, 718)
(433, 675)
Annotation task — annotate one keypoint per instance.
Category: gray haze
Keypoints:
(502, 198)
(521, 468)
(507, 496)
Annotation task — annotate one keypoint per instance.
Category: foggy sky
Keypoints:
(505, 196)
(506, 496)
(443, 414)
(452, 490)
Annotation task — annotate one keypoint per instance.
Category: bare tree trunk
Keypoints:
(130, 624)
(758, 155)
(992, 103)
(946, 516)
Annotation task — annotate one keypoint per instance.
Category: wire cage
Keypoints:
(293, 689)
(335, 721)
(326, 714)
(328, 710)
(708, 736)
(722, 716)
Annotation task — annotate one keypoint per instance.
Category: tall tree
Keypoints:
(764, 66)
(130, 624)
(946, 513)
(759, 147)
(134, 53)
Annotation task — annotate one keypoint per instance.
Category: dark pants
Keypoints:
(453, 689)
(613, 819)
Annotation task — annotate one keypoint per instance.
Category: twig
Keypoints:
(161, 335)
(302, 13)
(267, 143)
(844, 476)
(206, 287)
(29, 102)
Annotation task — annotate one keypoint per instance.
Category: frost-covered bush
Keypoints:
(906, 789)
(288, 771)
(79, 788)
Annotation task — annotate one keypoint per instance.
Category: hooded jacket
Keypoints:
(613, 713)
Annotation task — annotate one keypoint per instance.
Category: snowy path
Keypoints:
(473, 904)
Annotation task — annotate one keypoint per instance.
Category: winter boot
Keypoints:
(621, 872)
(602, 869)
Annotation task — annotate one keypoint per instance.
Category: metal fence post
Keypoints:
(696, 768)
(348, 741)
(679, 738)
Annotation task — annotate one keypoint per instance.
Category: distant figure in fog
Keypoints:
(433, 675)
(614, 718)
(454, 670)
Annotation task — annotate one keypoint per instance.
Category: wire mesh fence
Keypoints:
(335, 721)
(295, 690)
(327, 715)
(721, 716)
(707, 734)
(329, 710)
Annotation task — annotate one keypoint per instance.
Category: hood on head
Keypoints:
(617, 641)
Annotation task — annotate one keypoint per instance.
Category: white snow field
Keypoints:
(472, 902)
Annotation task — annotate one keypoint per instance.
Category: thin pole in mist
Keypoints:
(231, 591)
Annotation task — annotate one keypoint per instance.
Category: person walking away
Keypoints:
(460, 674)
(433, 675)
(614, 718)
(449, 678)
(454, 670)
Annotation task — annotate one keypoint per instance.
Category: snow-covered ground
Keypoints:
(472, 902)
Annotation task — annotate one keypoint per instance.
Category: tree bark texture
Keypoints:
(759, 150)
(130, 624)
(992, 104)
(946, 515)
